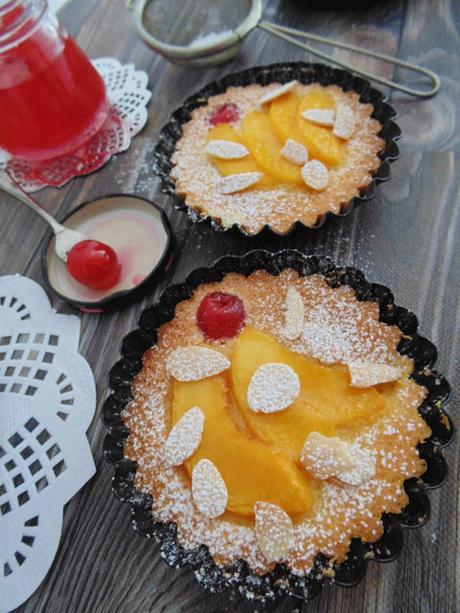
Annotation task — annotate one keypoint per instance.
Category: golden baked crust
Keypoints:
(196, 177)
(339, 329)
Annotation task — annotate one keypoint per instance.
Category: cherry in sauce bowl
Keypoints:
(94, 264)
(129, 239)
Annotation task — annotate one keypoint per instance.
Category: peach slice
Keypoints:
(320, 142)
(287, 122)
(236, 166)
(251, 470)
(266, 148)
(326, 400)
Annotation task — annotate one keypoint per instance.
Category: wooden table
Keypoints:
(406, 238)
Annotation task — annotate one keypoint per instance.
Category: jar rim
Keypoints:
(21, 26)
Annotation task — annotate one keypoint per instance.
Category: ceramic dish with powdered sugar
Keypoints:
(275, 421)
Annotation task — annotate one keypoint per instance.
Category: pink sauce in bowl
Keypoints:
(135, 228)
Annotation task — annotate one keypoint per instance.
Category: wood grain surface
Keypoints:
(406, 238)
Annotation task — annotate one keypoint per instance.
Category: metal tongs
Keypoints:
(222, 47)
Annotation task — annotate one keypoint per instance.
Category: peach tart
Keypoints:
(276, 154)
(274, 421)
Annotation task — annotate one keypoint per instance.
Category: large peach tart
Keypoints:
(276, 154)
(275, 420)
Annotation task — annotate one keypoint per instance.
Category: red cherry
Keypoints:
(220, 315)
(227, 113)
(94, 264)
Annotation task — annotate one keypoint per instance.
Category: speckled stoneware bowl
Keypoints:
(279, 583)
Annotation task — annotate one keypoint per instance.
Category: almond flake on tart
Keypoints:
(238, 182)
(284, 439)
(226, 149)
(294, 314)
(209, 491)
(325, 117)
(366, 374)
(325, 457)
(344, 123)
(294, 152)
(184, 438)
(274, 531)
(194, 363)
(279, 91)
(273, 388)
(315, 175)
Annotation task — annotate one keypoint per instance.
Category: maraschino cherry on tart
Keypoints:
(227, 113)
(220, 315)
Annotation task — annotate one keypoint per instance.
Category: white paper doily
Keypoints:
(128, 94)
(47, 401)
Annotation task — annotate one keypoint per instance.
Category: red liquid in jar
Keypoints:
(51, 97)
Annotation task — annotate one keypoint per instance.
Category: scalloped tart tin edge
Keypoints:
(280, 73)
(280, 582)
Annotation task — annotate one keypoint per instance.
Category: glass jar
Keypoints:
(52, 99)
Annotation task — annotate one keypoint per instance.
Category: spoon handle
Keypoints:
(7, 185)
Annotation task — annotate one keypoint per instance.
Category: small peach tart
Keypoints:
(276, 154)
(274, 419)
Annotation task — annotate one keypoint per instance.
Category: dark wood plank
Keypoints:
(405, 238)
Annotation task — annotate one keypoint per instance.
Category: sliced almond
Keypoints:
(184, 437)
(324, 457)
(294, 314)
(344, 123)
(273, 388)
(236, 183)
(226, 149)
(274, 531)
(209, 491)
(194, 363)
(363, 467)
(315, 175)
(276, 93)
(323, 117)
(294, 152)
(366, 374)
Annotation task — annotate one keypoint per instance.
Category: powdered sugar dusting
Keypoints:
(195, 363)
(273, 388)
(363, 467)
(209, 491)
(274, 531)
(185, 437)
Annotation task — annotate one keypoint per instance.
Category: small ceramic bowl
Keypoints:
(140, 233)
